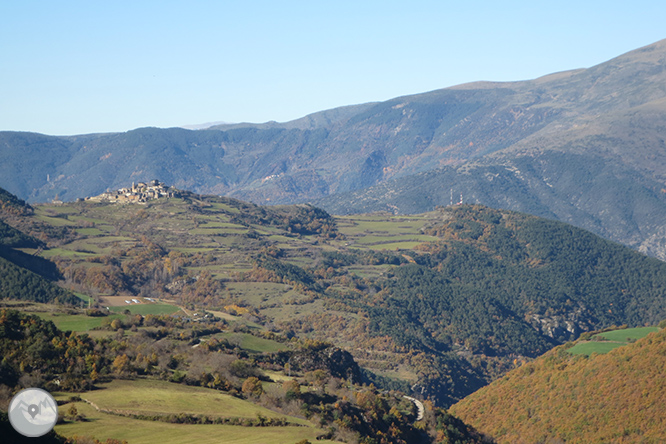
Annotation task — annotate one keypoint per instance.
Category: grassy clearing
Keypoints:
(61, 252)
(146, 309)
(215, 206)
(78, 323)
(253, 343)
(153, 397)
(587, 348)
(402, 373)
(85, 298)
(628, 334)
(395, 246)
(611, 340)
(384, 232)
(227, 316)
(384, 224)
(209, 231)
(194, 250)
(89, 231)
(104, 426)
(257, 292)
(55, 221)
(277, 376)
(216, 224)
(374, 239)
(92, 246)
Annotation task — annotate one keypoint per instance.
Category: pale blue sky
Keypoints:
(73, 67)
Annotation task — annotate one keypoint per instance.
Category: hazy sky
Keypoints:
(73, 67)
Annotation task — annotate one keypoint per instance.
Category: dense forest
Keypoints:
(27, 277)
(497, 273)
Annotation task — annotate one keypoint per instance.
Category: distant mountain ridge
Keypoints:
(604, 123)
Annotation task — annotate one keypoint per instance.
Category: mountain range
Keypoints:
(583, 146)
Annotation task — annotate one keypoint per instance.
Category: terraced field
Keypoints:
(385, 232)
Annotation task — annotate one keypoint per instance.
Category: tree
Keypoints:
(121, 364)
(317, 378)
(292, 389)
(252, 387)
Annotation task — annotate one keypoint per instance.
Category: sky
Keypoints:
(77, 67)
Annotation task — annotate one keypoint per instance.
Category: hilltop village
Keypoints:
(138, 193)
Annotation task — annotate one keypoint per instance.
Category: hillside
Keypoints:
(510, 145)
(24, 276)
(614, 397)
(473, 290)
(152, 385)
(603, 196)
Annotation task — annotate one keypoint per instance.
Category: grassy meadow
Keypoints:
(384, 231)
(146, 308)
(610, 340)
(103, 426)
(79, 323)
(155, 397)
(105, 411)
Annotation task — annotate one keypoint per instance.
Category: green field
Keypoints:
(154, 397)
(253, 343)
(89, 231)
(384, 232)
(146, 309)
(151, 397)
(55, 221)
(395, 246)
(103, 426)
(53, 252)
(587, 348)
(628, 334)
(610, 340)
(78, 322)
(84, 298)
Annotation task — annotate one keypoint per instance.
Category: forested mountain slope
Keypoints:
(23, 276)
(604, 196)
(616, 397)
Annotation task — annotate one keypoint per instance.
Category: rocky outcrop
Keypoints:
(563, 327)
(339, 363)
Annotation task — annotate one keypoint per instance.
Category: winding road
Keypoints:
(419, 406)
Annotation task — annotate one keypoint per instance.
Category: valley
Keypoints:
(213, 292)
(476, 264)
